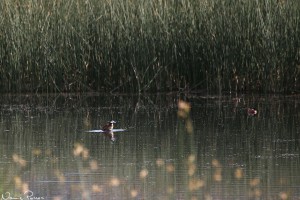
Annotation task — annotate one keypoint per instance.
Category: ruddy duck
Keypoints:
(109, 126)
(251, 111)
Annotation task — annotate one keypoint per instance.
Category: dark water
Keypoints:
(224, 153)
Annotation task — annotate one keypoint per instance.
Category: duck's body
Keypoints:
(109, 126)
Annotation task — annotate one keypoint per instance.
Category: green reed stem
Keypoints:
(57, 46)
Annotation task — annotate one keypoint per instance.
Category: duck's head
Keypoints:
(111, 122)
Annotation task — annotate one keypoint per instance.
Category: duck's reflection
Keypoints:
(110, 135)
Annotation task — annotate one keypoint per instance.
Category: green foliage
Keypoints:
(139, 45)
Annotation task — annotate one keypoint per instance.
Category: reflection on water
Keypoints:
(208, 149)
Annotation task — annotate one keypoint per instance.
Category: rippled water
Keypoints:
(217, 151)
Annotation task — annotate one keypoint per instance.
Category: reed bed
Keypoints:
(139, 45)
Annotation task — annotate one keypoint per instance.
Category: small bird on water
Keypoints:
(251, 111)
(109, 126)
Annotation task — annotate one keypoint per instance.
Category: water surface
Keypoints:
(217, 151)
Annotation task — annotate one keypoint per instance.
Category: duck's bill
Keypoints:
(102, 131)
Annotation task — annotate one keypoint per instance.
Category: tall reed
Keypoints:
(139, 45)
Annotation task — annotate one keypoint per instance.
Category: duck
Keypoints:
(251, 111)
(109, 126)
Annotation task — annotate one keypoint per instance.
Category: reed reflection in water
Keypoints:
(199, 148)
